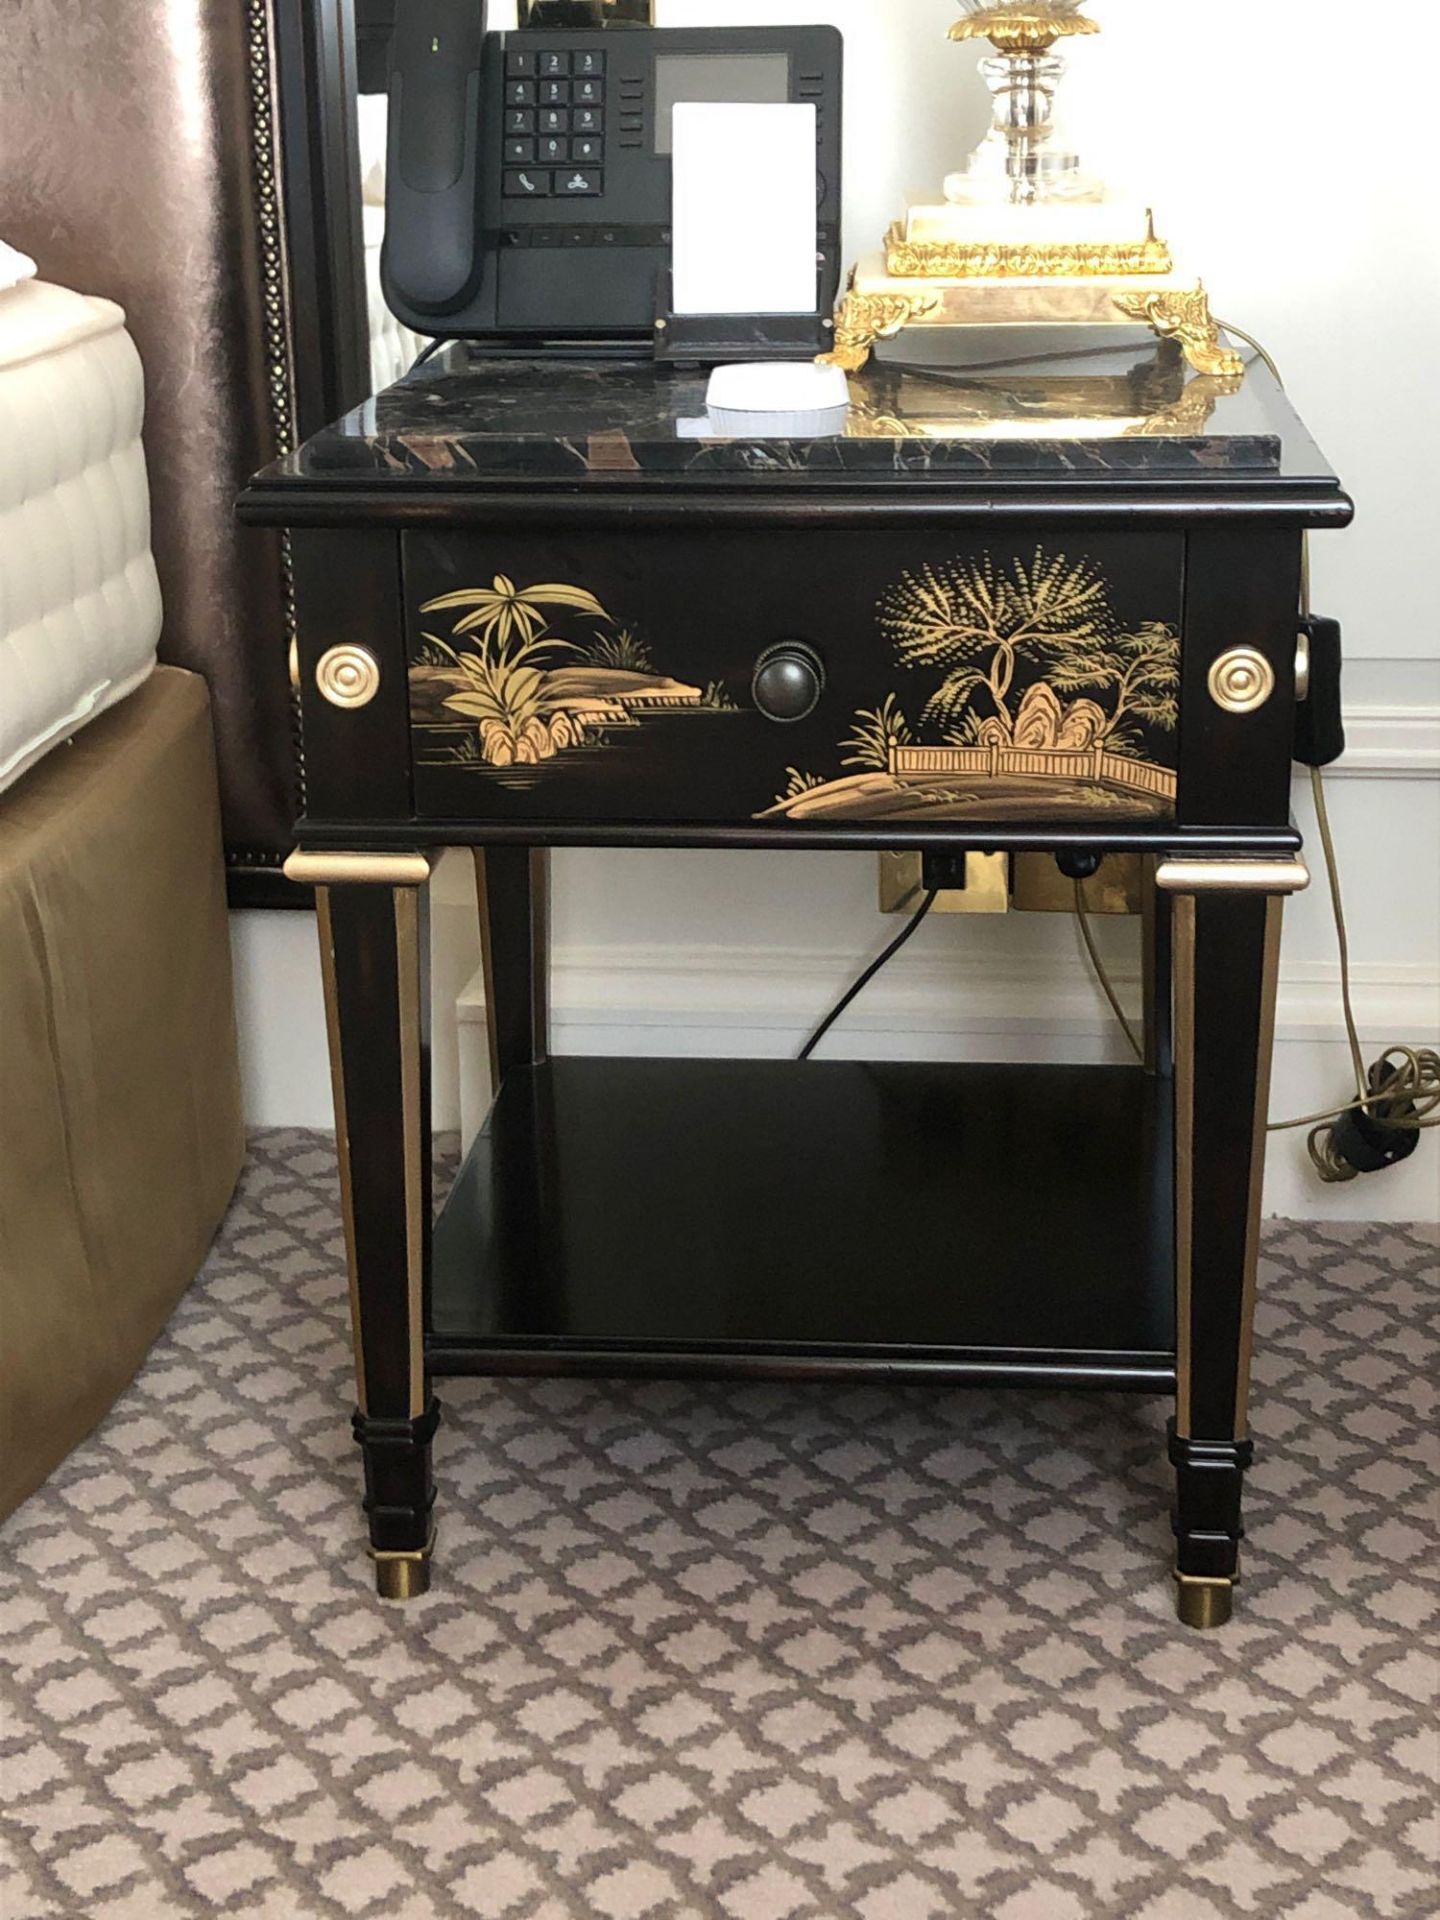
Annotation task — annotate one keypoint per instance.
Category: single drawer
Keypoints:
(794, 677)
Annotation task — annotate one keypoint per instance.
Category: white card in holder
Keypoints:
(744, 209)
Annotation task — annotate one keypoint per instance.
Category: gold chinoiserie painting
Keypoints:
(509, 693)
(1037, 702)
(1017, 693)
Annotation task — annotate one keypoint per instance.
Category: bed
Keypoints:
(120, 1126)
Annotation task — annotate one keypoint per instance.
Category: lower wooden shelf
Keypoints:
(1008, 1224)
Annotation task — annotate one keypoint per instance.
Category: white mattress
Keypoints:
(79, 598)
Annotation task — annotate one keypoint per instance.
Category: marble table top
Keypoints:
(1126, 408)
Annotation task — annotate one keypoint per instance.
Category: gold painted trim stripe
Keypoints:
(1184, 966)
(358, 869)
(1265, 1042)
(342, 1133)
(412, 1087)
(1233, 876)
(1151, 984)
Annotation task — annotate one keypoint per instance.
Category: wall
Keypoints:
(1256, 143)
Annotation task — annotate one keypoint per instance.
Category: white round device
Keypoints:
(779, 399)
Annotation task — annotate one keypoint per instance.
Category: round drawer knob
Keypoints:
(789, 680)
(1241, 680)
(348, 676)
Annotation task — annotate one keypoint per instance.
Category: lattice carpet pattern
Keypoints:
(759, 1653)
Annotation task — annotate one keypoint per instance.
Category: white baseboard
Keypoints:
(1390, 743)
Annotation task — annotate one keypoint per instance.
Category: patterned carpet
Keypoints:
(761, 1653)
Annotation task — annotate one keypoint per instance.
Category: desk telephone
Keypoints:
(528, 195)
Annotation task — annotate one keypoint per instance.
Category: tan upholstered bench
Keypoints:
(120, 1119)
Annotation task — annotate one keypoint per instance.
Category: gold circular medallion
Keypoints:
(1241, 680)
(348, 676)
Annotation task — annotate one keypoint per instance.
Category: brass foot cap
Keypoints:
(403, 1576)
(1203, 1604)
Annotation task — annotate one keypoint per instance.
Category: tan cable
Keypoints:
(1414, 1080)
(1102, 975)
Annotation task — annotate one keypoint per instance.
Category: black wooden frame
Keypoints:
(1232, 831)
(327, 367)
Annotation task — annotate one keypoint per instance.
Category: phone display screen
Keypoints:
(741, 78)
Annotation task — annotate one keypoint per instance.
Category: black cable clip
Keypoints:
(1368, 1139)
(1319, 721)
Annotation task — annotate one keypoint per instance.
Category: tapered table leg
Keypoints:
(1226, 933)
(374, 953)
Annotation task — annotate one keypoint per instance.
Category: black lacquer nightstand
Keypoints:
(1047, 607)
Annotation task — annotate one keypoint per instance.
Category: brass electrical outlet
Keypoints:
(1026, 883)
(986, 889)
(1040, 887)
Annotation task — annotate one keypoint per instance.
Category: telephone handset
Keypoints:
(433, 166)
(528, 185)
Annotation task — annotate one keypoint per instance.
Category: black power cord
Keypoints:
(869, 974)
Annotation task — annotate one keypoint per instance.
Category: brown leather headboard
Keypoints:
(140, 161)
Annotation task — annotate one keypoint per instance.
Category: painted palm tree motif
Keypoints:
(507, 691)
(1035, 699)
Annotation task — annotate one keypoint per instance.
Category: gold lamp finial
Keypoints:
(1031, 27)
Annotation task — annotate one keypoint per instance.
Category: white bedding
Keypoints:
(79, 597)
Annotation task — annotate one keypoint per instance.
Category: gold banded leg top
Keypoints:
(403, 1576)
(358, 869)
(1203, 1604)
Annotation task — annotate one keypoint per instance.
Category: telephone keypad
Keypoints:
(554, 146)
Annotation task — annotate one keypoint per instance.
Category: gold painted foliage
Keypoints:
(501, 665)
(1142, 672)
(976, 621)
(877, 730)
(504, 612)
